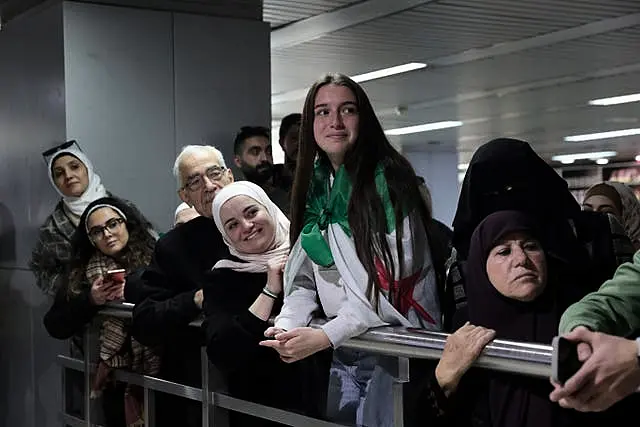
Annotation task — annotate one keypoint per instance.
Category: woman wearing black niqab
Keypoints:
(507, 174)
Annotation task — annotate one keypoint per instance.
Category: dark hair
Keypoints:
(366, 213)
(247, 132)
(287, 122)
(137, 252)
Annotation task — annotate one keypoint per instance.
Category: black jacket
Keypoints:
(67, 317)
(164, 291)
(253, 372)
(164, 297)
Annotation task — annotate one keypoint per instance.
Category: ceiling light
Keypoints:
(423, 128)
(602, 161)
(638, 158)
(297, 94)
(570, 158)
(634, 97)
(603, 135)
(386, 72)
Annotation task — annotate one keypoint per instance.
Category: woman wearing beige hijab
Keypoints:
(619, 200)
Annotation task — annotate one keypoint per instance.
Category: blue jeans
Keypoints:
(360, 390)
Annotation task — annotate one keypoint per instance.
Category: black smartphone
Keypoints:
(564, 360)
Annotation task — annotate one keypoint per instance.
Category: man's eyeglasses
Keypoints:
(98, 232)
(214, 173)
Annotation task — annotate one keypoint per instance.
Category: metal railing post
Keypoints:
(149, 407)
(87, 376)
(207, 413)
(63, 396)
(399, 379)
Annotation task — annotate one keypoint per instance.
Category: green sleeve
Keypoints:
(614, 308)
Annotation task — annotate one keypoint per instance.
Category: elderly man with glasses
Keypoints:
(168, 293)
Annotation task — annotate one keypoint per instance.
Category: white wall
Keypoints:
(31, 120)
(142, 84)
(132, 86)
(119, 96)
(222, 79)
(440, 171)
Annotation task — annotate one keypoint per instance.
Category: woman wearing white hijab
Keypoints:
(72, 175)
(244, 291)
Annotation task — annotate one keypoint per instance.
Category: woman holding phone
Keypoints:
(112, 239)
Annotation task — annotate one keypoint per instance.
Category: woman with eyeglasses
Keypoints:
(111, 240)
(73, 177)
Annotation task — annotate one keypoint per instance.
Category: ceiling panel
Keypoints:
(503, 74)
(282, 12)
(510, 68)
(435, 30)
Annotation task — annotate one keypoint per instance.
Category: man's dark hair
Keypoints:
(287, 122)
(247, 132)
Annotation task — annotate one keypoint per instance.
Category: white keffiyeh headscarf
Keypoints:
(254, 263)
(95, 190)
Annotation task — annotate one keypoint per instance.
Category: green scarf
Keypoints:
(329, 206)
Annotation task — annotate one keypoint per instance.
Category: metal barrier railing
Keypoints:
(396, 343)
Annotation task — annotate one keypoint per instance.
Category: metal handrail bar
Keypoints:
(218, 399)
(501, 355)
(399, 342)
(267, 412)
(146, 381)
(70, 420)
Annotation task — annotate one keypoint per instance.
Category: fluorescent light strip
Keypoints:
(623, 99)
(386, 72)
(294, 95)
(423, 128)
(603, 135)
(570, 158)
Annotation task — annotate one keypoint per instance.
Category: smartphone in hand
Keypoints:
(564, 360)
(115, 276)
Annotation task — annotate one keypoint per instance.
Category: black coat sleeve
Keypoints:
(161, 312)
(232, 332)
(232, 339)
(68, 316)
(425, 404)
